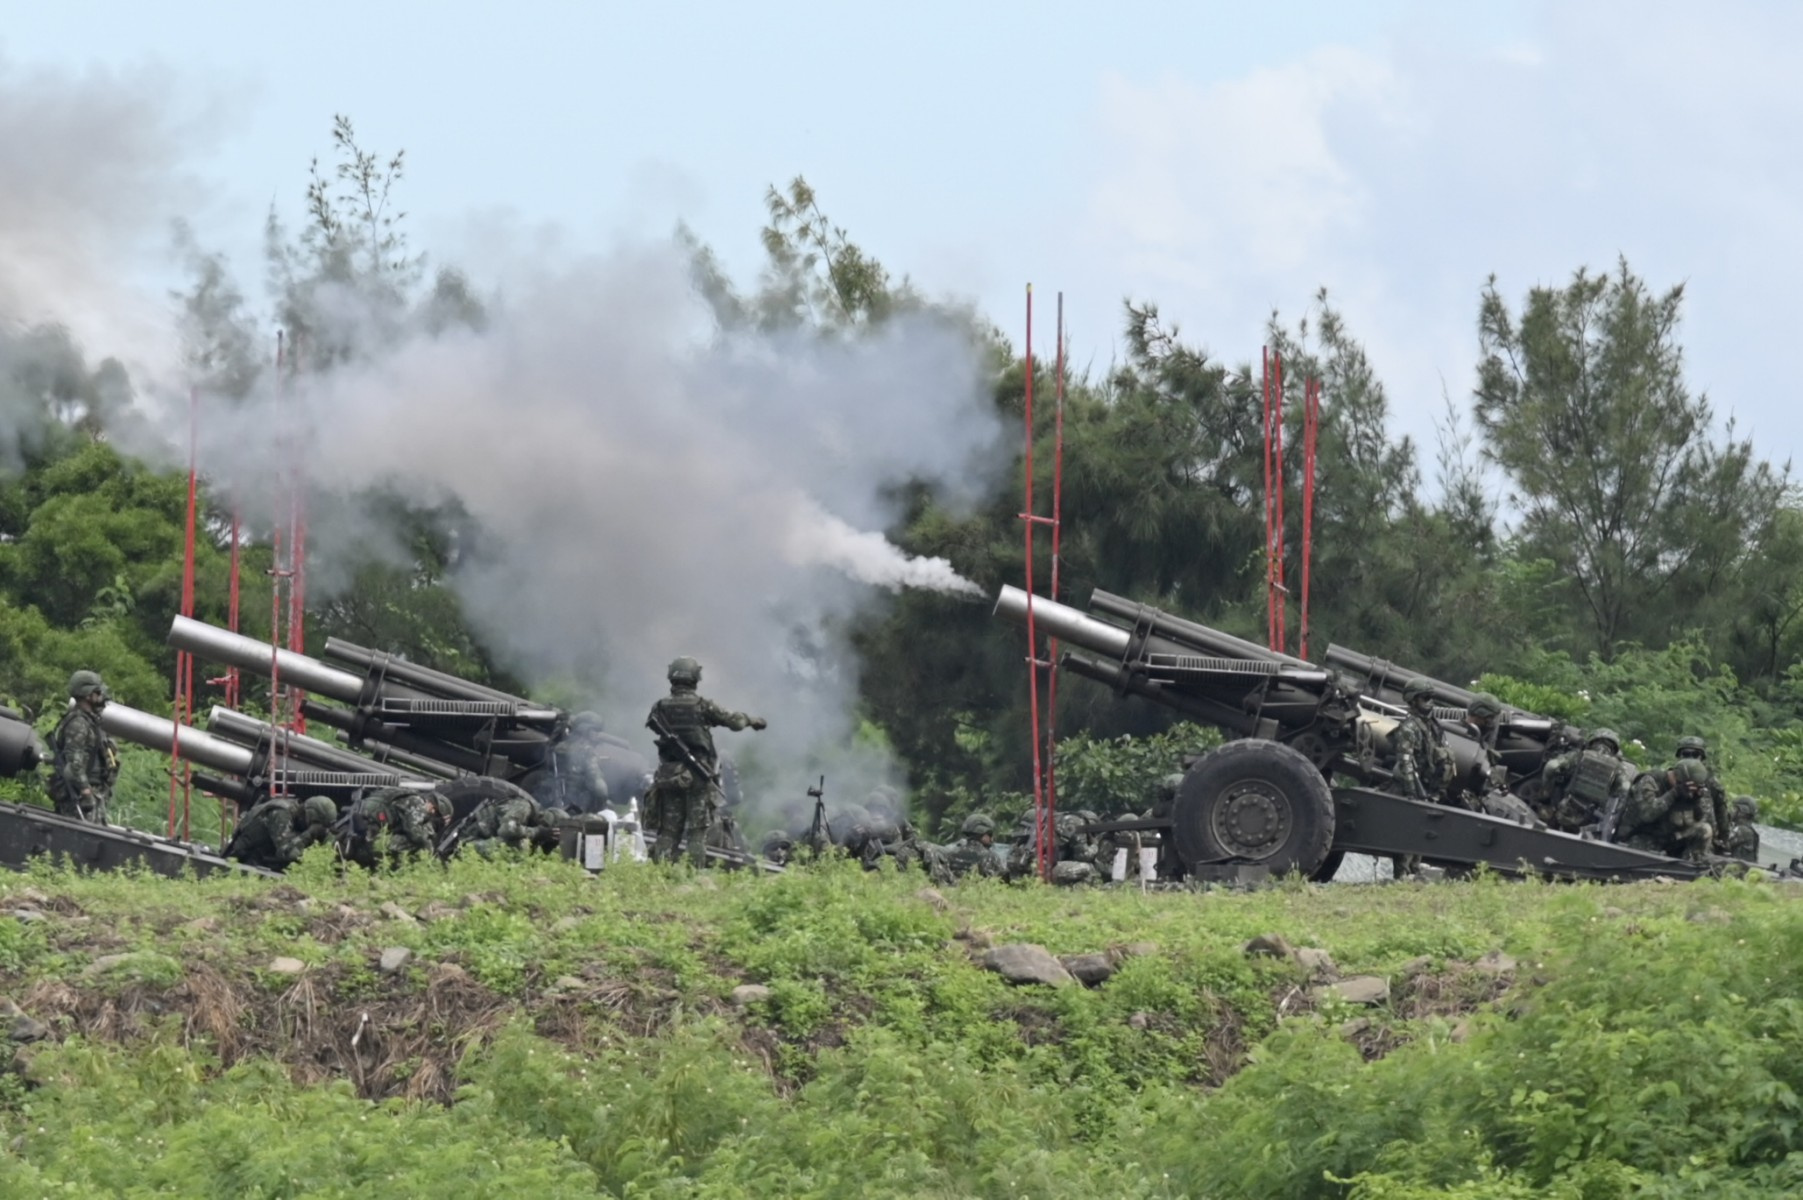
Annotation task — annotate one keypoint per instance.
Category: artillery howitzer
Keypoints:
(404, 713)
(28, 832)
(246, 761)
(1264, 802)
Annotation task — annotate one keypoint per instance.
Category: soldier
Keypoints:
(1743, 838)
(779, 847)
(1669, 812)
(581, 784)
(1694, 747)
(85, 761)
(1491, 793)
(1585, 785)
(688, 766)
(1420, 745)
(972, 852)
(275, 833)
(1421, 758)
(395, 822)
(512, 820)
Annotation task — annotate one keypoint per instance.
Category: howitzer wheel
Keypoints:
(1253, 803)
(469, 791)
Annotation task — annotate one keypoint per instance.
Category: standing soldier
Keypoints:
(86, 762)
(1420, 769)
(688, 774)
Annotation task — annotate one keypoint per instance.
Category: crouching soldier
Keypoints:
(514, 821)
(1669, 812)
(974, 850)
(1742, 841)
(275, 833)
(395, 824)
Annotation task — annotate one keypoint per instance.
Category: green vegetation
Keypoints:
(554, 1034)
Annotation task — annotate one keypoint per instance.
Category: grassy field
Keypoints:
(522, 1029)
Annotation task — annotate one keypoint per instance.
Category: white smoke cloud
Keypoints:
(648, 487)
(644, 485)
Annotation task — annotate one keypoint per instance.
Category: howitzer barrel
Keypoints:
(247, 654)
(1392, 678)
(297, 747)
(160, 733)
(1184, 632)
(423, 678)
(1063, 622)
(20, 749)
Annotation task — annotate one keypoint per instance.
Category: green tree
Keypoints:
(1582, 402)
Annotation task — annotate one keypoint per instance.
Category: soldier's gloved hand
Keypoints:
(759, 723)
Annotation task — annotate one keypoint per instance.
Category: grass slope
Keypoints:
(553, 1034)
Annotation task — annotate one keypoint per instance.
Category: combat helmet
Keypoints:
(590, 722)
(1745, 808)
(83, 683)
(685, 670)
(1417, 689)
(1692, 746)
(977, 824)
(1603, 735)
(1690, 771)
(1484, 706)
(320, 810)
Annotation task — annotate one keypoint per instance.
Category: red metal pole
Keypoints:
(1311, 414)
(231, 675)
(1051, 702)
(1270, 594)
(182, 711)
(297, 564)
(1279, 594)
(1029, 518)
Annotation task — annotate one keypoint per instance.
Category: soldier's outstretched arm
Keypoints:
(735, 721)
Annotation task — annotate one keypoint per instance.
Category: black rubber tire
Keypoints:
(1253, 802)
(468, 791)
(1330, 866)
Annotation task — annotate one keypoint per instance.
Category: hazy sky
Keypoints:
(1221, 160)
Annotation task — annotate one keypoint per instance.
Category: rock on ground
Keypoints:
(1359, 989)
(394, 958)
(1089, 969)
(1023, 962)
(747, 994)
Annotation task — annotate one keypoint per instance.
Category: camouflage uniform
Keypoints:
(85, 762)
(1743, 839)
(1419, 771)
(1420, 745)
(1588, 785)
(581, 785)
(1694, 747)
(510, 821)
(685, 797)
(275, 833)
(1489, 791)
(973, 852)
(395, 821)
(1670, 811)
